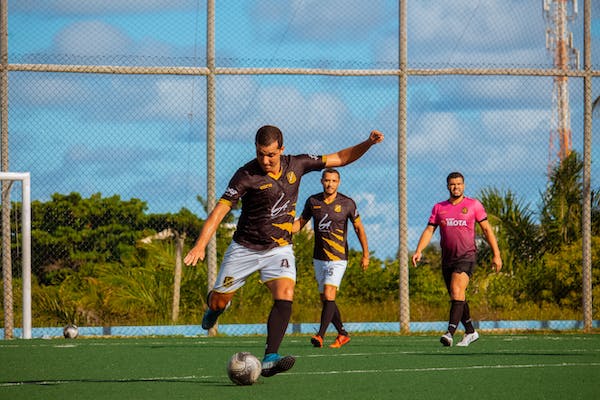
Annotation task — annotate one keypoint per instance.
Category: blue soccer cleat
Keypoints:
(210, 318)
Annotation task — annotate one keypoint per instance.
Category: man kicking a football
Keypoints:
(268, 189)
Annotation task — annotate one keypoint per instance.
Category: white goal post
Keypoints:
(25, 179)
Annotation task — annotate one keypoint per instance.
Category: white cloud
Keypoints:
(321, 113)
(368, 207)
(92, 38)
(516, 124)
(435, 134)
(173, 98)
(288, 101)
(236, 96)
(325, 112)
(508, 158)
(63, 7)
(507, 89)
(473, 23)
(47, 90)
(323, 20)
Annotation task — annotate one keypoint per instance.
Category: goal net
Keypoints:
(8, 178)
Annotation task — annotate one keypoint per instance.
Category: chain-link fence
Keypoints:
(128, 98)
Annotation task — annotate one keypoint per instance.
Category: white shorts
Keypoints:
(240, 262)
(329, 273)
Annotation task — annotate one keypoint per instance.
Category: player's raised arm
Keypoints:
(197, 253)
(351, 154)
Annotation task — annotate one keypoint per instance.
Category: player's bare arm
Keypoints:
(488, 232)
(197, 253)
(423, 242)
(298, 224)
(361, 234)
(351, 154)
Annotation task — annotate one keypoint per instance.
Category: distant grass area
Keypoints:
(548, 366)
(389, 312)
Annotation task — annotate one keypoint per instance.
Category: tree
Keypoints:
(69, 231)
(518, 235)
(561, 208)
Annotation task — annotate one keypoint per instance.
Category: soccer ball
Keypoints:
(70, 331)
(244, 368)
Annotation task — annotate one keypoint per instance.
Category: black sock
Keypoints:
(466, 319)
(337, 322)
(277, 324)
(456, 312)
(327, 313)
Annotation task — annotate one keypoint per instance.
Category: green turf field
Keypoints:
(511, 366)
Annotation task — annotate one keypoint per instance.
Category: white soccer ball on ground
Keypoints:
(70, 331)
(244, 368)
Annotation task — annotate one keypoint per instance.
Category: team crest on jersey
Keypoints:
(465, 210)
(337, 208)
(285, 263)
(291, 177)
(228, 281)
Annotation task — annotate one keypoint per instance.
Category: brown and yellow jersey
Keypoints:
(268, 202)
(330, 222)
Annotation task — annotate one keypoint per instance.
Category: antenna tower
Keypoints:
(559, 42)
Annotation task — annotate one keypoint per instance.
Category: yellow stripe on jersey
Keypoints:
(286, 226)
(280, 241)
(336, 246)
(332, 257)
(338, 237)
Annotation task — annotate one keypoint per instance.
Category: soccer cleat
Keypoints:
(468, 339)
(340, 340)
(317, 341)
(210, 318)
(446, 339)
(273, 364)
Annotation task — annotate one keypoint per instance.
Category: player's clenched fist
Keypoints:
(376, 137)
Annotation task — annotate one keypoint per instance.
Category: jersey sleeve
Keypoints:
(307, 211)
(235, 189)
(309, 162)
(353, 214)
(480, 214)
(433, 217)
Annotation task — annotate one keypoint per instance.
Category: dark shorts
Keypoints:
(463, 266)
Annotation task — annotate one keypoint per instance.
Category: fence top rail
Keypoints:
(140, 70)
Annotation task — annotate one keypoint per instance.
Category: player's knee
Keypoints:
(218, 301)
(458, 295)
(282, 289)
(329, 293)
(286, 293)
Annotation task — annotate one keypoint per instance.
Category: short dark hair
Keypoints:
(330, 171)
(454, 175)
(268, 134)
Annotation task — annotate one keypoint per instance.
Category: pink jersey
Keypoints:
(457, 229)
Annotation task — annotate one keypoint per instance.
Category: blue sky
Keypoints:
(137, 136)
